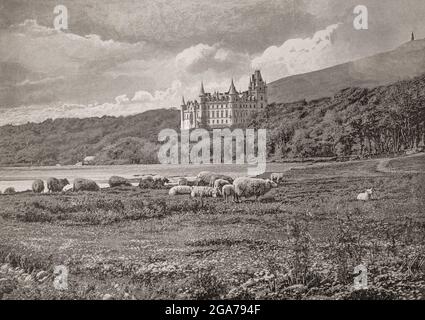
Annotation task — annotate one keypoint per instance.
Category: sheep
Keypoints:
(9, 190)
(85, 185)
(179, 190)
(200, 182)
(277, 177)
(252, 187)
(38, 186)
(160, 181)
(116, 181)
(56, 185)
(365, 196)
(203, 192)
(182, 182)
(147, 182)
(228, 192)
(219, 183)
(208, 178)
(215, 177)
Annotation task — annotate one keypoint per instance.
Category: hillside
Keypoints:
(121, 140)
(355, 121)
(403, 63)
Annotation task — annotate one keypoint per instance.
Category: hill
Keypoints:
(112, 140)
(403, 63)
(355, 121)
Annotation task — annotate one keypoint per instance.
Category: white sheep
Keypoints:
(277, 177)
(228, 192)
(179, 190)
(220, 183)
(203, 192)
(252, 187)
(365, 196)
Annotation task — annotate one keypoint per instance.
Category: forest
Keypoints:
(113, 140)
(354, 122)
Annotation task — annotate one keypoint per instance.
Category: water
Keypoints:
(21, 178)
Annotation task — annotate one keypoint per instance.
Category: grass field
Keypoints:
(301, 241)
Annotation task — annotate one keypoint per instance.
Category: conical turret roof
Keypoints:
(202, 92)
(232, 89)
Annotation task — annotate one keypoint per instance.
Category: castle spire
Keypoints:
(183, 102)
(232, 89)
(202, 92)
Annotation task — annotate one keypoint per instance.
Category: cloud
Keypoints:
(202, 57)
(296, 56)
(46, 50)
(160, 99)
(122, 106)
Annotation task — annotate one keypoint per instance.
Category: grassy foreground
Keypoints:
(301, 241)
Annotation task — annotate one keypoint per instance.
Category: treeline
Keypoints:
(356, 121)
(112, 140)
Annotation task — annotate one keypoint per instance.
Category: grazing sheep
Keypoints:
(9, 190)
(277, 177)
(116, 181)
(179, 190)
(365, 196)
(147, 182)
(208, 178)
(203, 192)
(38, 186)
(228, 192)
(160, 181)
(182, 182)
(56, 185)
(200, 182)
(216, 177)
(252, 187)
(85, 185)
(219, 183)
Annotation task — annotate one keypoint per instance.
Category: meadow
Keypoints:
(302, 240)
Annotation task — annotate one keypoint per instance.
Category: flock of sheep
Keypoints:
(209, 184)
(206, 184)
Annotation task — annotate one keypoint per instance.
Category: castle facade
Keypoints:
(225, 109)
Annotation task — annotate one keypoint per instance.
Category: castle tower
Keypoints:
(201, 120)
(413, 37)
(260, 89)
(182, 110)
(233, 102)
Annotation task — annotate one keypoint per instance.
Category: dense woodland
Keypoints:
(122, 140)
(355, 122)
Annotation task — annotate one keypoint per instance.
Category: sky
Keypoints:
(122, 57)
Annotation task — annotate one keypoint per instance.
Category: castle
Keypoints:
(221, 110)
